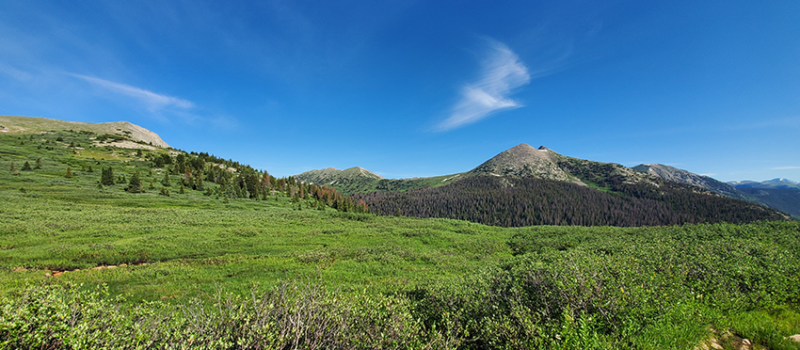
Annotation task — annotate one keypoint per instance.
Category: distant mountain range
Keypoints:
(534, 186)
(518, 187)
(524, 177)
(774, 183)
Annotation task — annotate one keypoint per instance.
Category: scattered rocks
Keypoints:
(725, 340)
(745, 344)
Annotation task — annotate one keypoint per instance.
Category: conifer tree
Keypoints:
(135, 184)
(198, 183)
(27, 166)
(69, 173)
(13, 168)
(181, 191)
(165, 180)
(90, 169)
(107, 177)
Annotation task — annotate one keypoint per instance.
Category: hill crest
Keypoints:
(524, 160)
(674, 174)
(30, 125)
(331, 175)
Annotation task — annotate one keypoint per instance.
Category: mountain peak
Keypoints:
(524, 160)
(774, 183)
(331, 175)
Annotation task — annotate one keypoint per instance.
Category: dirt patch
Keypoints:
(57, 273)
(125, 144)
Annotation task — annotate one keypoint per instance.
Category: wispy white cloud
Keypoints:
(786, 167)
(150, 100)
(502, 72)
(14, 73)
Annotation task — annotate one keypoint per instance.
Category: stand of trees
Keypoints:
(509, 201)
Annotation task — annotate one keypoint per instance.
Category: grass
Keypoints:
(444, 283)
(210, 244)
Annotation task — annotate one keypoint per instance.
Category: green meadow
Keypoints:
(84, 265)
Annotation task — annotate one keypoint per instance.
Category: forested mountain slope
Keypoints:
(514, 201)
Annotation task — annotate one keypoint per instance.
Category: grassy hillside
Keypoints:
(28, 125)
(88, 266)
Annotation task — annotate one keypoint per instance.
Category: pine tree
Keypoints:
(135, 184)
(198, 183)
(152, 185)
(38, 163)
(164, 191)
(165, 180)
(107, 177)
(14, 169)
(27, 166)
(90, 169)
(69, 173)
(181, 190)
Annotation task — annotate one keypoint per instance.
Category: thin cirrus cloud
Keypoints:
(786, 167)
(501, 72)
(150, 100)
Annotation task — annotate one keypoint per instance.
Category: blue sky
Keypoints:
(422, 88)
